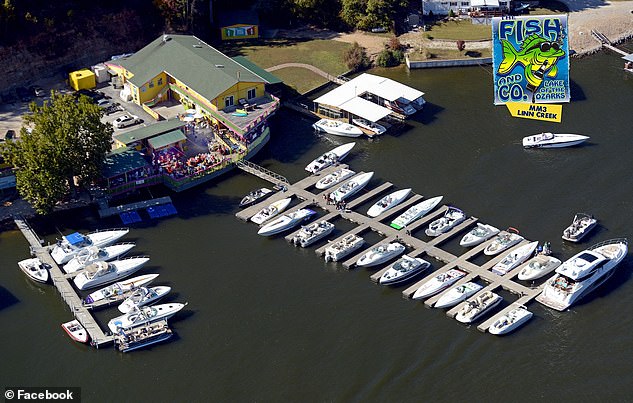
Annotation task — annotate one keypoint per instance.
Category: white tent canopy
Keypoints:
(365, 109)
(484, 3)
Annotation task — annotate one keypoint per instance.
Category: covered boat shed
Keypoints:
(124, 165)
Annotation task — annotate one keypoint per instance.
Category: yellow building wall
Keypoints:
(239, 31)
(210, 103)
(82, 79)
(150, 89)
(238, 91)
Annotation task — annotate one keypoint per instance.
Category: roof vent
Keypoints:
(220, 66)
(197, 46)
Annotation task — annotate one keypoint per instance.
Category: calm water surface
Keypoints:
(270, 322)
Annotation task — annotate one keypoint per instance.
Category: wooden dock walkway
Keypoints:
(81, 313)
(110, 211)
(415, 246)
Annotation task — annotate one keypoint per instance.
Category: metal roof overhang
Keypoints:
(484, 3)
(628, 57)
(392, 90)
(365, 109)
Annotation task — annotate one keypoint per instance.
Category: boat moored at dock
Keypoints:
(142, 336)
(476, 308)
(403, 270)
(70, 245)
(415, 212)
(272, 210)
(337, 128)
(388, 202)
(143, 296)
(334, 178)
(514, 258)
(538, 267)
(330, 158)
(92, 254)
(457, 294)
(478, 234)
(286, 222)
(338, 250)
(438, 283)
(144, 315)
(99, 273)
(352, 187)
(311, 233)
(452, 217)
(34, 269)
(368, 125)
(510, 321)
(76, 331)
(255, 196)
(580, 226)
(503, 241)
(380, 254)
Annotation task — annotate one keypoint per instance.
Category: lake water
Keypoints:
(270, 322)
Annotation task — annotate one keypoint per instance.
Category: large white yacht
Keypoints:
(582, 273)
(70, 245)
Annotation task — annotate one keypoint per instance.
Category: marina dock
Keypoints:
(303, 191)
(61, 282)
(110, 211)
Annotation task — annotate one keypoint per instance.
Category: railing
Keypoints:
(262, 172)
(147, 181)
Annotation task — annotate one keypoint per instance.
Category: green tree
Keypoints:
(353, 11)
(68, 142)
(356, 57)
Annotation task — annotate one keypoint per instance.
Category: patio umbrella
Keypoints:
(198, 115)
(190, 111)
(188, 118)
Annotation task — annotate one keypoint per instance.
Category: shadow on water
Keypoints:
(6, 298)
(576, 91)
(429, 114)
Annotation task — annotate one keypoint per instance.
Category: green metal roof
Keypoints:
(143, 133)
(121, 161)
(266, 76)
(187, 58)
(166, 139)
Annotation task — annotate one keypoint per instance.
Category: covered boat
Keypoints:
(270, 211)
(438, 283)
(510, 321)
(99, 273)
(457, 294)
(538, 266)
(476, 308)
(35, 269)
(514, 258)
(286, 222)
(352, 187)
(329, 158)
(452, 217)
(415, 212)
(338, 250)
(119, 290)
(311, 233)
(380, 254)
(337, 128)
(334, 178)
(76, 331)
(553, 140)
(580, 226)
(255, 196)
(368, 125)
(143, 296)
(503, 241)
(403, 270)
(388, 202)
(478, 234)
(144, 315)
(142, 336)
(91, 254)
(70, 245)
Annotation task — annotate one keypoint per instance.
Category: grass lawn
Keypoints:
(299, 79)
(439, 54)
(456, 30)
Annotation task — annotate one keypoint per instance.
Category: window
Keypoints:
(465, 4)
(228, 101)
(151, 84)
(160, 81)
(251, 94)
(143, 88)
(454, 3)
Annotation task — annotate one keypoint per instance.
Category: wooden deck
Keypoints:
(110, 211)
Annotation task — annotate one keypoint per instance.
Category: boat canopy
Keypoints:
(628, 58)
(74, 238)
(365, 109)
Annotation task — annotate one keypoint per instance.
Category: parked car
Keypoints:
(9, 135)
(113, 109)
(94, 95)
(125, 121)
(37, 91)
(23, 94)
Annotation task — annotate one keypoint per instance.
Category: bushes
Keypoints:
(356, 57)
(393, 55)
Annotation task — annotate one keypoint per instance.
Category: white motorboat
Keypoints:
(285, 222)
(510, 321)
(142, 336)
(76, 331)
(415, 212)
(582, 273)
(503, 241)
(538, 266)
(145, 314)
(437, 283)
(401, 106)
(70, 245)
(452, 217)
(514, 258)
(404, 269)
(311, 233)
(338, 250)
(553, 140)
(580, 226)
(371, 126)
(119, 289)
(99, 273)
(35, 269)
(478, 234)
(337, 128)
(457, 294)
(388, 202)
(92, 253)
(143, 296)
(380, 254)
(255, 196)
(350, 188)
(475, 309)
(329, 158)
(334, 178)
(271, 211)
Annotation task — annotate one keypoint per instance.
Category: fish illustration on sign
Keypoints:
(537, 55)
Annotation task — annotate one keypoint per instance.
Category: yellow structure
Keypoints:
(240, 31)
(82, 79)
(238, 24)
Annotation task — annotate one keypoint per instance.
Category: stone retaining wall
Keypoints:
(425, 64)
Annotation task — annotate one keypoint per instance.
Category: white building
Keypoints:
(442, 7)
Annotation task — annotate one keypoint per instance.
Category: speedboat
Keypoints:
(70, 245)
(388, 202)
(582, 273)
(35, 269)
(503, 241)
(380, 254)
(142, 336)
(478, 234)
(338, 250)
(553, 140)
(415, 212)
(337, 128)
(285, 222)
(311, 233)
(451, 218)
(514, 258)
(457, 294)
(119, 290)
(438, 283)
(91, 254)
(474, 309)
(371, 126)
(352, 187)
(510, 321)
(582, 224)
(329, 158)
(145, 314)
(76, 331)
(255, 196)
(271, 211)
(401, 106)
(143, 296)
(404, 269)
(100, 272)
(334, 178)
(538, 266)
